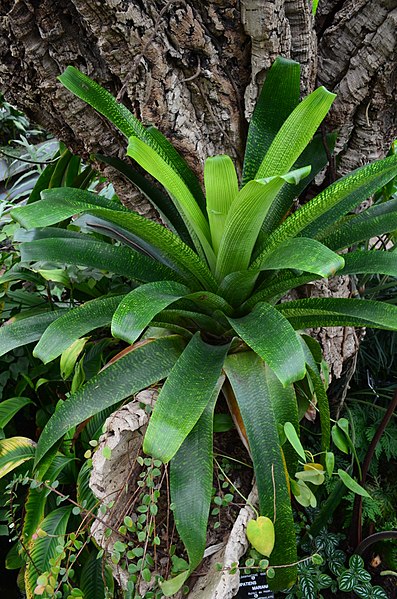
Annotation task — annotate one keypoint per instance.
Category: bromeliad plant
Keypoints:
(204, 311)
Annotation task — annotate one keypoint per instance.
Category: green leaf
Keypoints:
(20, 274)
(36, 501)
(43, 549)
(329, 462)
(100, 99)
(10, 407)
(144, 365)
(369, 262)
(274, 340)
(69, 357)
(339, 439)
(303, 495)
(13, 560)
(247, 375)
(187, 390)
(140, 306)
(352, 484)
(303, 254)
(154, 239)
(376, 220)
(315, 156)
(346, 581)
(53, 207)
(285, 409)
(160, 143)
(322, 312)
(193, 217)
(191, 472)
(292, 436)
(92, 253)
(344, 194)
(14, 452)
(172, 586)
(95, 578)
(356, 563)
(321, 394)
(279, 96)
(245, 218)
(161, 201)
(57, 275)
(96, 96)
(295, 133)
(73, 324)
(26, 330)
(347, 193)
(221, 186)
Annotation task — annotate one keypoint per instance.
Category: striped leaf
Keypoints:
(96, 580)
(99, 98)
(152, 238)
(44, 548)
(285, 409)
(92, 253)
(295, 133)
(274, 340)
(304, 254)
(26, 330)
(10, 407)
(187, 390)
(245, 219)
(278, 98)
(350, 190)
(279, 286)
(160, 143)
(298, 253)
(374, 221)
(191, 476)
(73, 324)
(14, 452)
(360, 184)
(247, 375)
(161, 201)
(314, 155)
(328, 312)
(221, 187)
(145, 365)
(191, 320)
(193, 217)
(53, 208)
(370, 262)
(96, 96)
(138, 308)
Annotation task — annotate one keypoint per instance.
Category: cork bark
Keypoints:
(194, 69)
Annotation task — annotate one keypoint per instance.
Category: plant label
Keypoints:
(254, 586)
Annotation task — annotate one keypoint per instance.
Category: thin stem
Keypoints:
(235, 488)
(356, 525)
(274, 496)
(222, 455)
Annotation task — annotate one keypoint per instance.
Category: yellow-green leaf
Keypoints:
(14, 452)
(260, 533)
(70, 355)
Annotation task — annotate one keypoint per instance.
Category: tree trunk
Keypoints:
(194, 70)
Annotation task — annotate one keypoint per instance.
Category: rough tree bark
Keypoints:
(194, 70)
